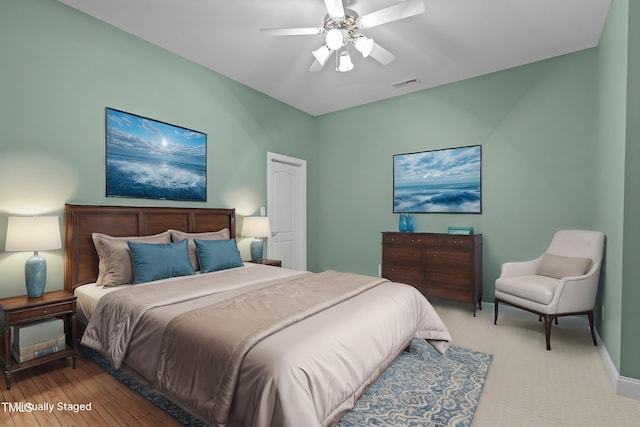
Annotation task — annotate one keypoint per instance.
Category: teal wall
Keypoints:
(611, 88)
(630, 354)
(536, 127)
(61, 68)
(559, 148)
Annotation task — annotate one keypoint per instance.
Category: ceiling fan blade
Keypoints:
(401, 10)
(334, 8)
(316, 66)
(291, 31)
(381, 54)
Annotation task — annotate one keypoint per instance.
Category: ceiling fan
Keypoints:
(342, 28)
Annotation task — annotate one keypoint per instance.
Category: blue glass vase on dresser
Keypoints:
(403, 223)
(409, 223)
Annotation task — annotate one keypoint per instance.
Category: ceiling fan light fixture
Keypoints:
(345, 63)
(335, 39)
(322, 54)
(364, 45)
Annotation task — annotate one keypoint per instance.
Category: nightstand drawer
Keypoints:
(34, 313)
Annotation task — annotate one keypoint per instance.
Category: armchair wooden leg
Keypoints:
(547, 330)
(540, 319)
(495, 311)
(593, 335)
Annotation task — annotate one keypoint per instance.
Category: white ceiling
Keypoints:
(453, 40)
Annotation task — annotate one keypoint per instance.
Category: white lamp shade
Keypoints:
(322, 54)
(345, 62)
(334, 39)
(32, 234)
(256, 226)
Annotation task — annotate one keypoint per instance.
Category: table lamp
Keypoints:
(257, 227)
(33, 234)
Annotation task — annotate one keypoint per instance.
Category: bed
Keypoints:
(251, 345)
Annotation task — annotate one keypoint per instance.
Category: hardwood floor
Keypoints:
(112, 403)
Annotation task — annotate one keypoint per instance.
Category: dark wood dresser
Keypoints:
(439, 265)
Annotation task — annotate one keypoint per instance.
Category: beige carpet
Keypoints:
(529, 386)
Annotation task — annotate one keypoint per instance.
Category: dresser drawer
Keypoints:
(435, 240)
(449, 293)
(403, 239)
(454, 278)
(449, 258)
(403, 272)
(33, 313)
(465, 242)
(402, 255)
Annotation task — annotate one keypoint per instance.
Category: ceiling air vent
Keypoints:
(405, 83)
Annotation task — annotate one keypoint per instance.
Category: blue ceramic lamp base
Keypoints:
(35, 275)
(256, 249)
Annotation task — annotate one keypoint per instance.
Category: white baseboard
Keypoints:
(628, 387)
(623, 386)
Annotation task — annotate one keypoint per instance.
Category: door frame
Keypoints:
(300, 202)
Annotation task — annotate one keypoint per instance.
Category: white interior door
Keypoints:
(287, 210)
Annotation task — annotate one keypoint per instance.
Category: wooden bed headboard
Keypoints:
(80, 257)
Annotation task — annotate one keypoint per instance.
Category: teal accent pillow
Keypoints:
(155, 261)
(214, 255)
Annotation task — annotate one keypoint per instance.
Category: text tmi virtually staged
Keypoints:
(44, 406)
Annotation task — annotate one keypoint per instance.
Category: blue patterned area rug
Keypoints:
(421, 388)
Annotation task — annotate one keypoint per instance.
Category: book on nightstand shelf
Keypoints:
(33, 348)
(42, 352)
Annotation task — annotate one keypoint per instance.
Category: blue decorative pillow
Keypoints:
(155, 261)
(214, 255)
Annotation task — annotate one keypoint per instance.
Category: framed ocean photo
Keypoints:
(438, 181)
(150, 159)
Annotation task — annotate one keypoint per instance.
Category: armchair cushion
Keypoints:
(558, 266)
(532, 288)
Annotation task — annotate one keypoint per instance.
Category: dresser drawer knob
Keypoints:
(44, 311)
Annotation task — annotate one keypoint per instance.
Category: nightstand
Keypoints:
(22, 309)
(272, 262)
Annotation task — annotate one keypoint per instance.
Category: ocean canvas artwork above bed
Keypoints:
(149, 159)
(438, 181)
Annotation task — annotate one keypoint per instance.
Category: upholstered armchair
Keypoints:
(563, 281)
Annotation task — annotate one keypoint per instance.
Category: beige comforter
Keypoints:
(304, 364)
